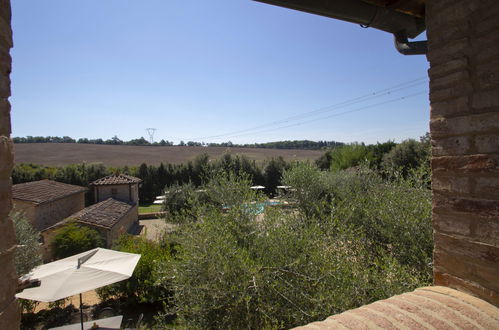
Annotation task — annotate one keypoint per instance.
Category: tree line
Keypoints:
(112, 141)
(295, 144)
(385, 156)
(156, 178)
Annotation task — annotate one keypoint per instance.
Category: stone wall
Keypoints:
(123, 192)
(26, 208)
(464, 95)
(135, 193)
(48, 214)
(45, 215)
(10, 316)
(123, 226)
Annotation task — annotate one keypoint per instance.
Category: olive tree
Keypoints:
(27, 255)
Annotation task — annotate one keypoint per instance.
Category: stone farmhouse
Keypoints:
(116, 211)
(111, 218)
(119, 186)
(47, 202)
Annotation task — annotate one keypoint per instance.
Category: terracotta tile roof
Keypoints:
(104, 214)
(434, 307)
(44, 191)
(116, 179)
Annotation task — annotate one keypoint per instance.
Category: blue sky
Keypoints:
(208, 71)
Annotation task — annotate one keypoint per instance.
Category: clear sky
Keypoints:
(209, 71)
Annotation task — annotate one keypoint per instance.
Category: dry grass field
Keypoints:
(56, 154)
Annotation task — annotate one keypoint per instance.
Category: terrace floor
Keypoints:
(153, 228)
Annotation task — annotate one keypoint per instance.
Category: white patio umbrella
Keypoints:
(79, 273)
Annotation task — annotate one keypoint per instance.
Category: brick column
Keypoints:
(463, 53)
(9, 310)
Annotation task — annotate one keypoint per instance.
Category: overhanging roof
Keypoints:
(400, 17)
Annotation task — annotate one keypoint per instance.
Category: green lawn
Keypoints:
(149, 208)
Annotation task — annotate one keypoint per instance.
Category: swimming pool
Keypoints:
(258, 208)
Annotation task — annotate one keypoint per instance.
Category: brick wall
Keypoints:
(464, 95)
(9, 310)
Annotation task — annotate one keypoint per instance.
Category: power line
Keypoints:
(334, 115)
(343, 104)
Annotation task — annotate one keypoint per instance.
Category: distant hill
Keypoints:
(56, 154)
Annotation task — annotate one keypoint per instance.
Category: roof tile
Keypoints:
(429, 307)
(104, 214)
(44, 191)
(116, 179)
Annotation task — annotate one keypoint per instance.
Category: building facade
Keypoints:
(119, 186)
(47, 202)
(111, 218)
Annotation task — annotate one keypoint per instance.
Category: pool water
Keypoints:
(258, 208)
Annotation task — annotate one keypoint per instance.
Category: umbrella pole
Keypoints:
(81, 312)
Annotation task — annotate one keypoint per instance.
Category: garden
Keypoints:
(359, 230)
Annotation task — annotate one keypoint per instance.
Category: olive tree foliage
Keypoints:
(408, 155)
(395, 215)
(27, 255)
(350, 155)
(178, 199)
(309, 188)
(185, 203)
(237, 269)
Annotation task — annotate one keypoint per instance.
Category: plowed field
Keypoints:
(56, 154)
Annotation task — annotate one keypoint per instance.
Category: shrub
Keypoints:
(409, 154)
(237, 270)
(73, 239)
(177, 198)
(224, 190)
(394, 215)
(143, 286)
(350, 155)
(309, 188)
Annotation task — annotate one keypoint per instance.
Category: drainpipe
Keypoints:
(406, 47)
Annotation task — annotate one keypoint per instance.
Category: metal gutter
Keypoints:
(399, 24)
